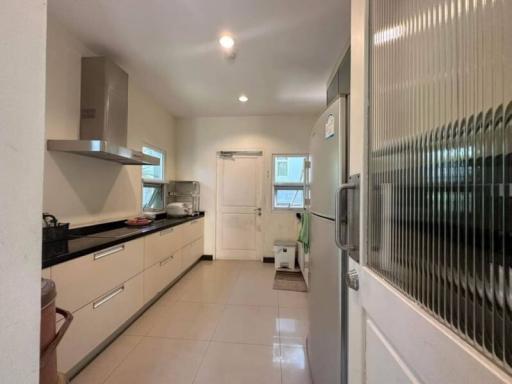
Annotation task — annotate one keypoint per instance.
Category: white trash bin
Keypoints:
(284, 255)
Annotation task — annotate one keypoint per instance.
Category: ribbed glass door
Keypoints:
(440, 166)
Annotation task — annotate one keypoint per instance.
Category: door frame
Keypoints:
(239, 152)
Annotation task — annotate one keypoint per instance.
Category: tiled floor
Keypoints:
(221, 324)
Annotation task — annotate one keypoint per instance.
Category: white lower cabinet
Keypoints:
(92, 286)
(96, 321)
(193, 230)
(82, 280)
(192, 252)
(163, 244)
(157, 277)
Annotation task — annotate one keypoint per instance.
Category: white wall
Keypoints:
(83, 190)
(22, 84)
(199, 139)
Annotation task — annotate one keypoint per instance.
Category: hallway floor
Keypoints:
(222, 323)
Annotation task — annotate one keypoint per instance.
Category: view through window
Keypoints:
(288, 181)
(152, 181)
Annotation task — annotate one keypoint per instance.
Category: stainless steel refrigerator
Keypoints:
(327, 298)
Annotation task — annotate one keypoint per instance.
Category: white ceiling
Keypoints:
(286, 50)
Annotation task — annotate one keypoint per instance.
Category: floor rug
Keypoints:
(289, 281)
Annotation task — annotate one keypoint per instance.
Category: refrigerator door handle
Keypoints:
(341, 216)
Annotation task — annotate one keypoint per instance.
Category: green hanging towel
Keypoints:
(304, 231)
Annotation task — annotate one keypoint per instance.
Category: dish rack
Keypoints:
(179, 191)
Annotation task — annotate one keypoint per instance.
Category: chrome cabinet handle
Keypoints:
(166, 260)
(166, 231)
(107, 252)
(352, 280)
(341, 215)
(107, 297)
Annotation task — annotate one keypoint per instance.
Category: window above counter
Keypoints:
(153, 183)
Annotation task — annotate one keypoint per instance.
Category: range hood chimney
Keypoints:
(103, 116)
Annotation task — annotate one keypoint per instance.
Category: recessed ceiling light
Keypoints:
(226, 42)
(243, 99)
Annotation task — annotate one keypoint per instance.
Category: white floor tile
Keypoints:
(293, 299)
(250, 290)
(226, 363)
(98, 371)
(160, 361)
(249, 325)
(187, 320)
(204, 290)
(293, 326)
(294, 366)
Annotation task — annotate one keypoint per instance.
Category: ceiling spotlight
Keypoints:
(243, 99)
(227, 42)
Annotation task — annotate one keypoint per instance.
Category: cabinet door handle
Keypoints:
(166, 231)
(166, 260)
(108, 251)
(107, 297)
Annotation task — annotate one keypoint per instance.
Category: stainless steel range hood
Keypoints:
(101, 149)
(104, 116)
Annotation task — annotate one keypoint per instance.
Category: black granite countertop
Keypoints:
(83, 241)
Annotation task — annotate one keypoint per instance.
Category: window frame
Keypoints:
(162, 162)
(283, 186)
(154, 181)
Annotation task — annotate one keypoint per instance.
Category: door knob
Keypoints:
(352, 280)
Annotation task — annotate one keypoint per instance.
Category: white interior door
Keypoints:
(239, 207)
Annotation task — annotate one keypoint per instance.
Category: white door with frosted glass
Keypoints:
(394, 338)
(239, 207)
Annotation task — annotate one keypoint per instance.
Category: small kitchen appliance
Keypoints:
(179, 209)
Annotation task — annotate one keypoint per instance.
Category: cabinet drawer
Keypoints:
(193, 230)
(95, 322)
(192, 252)
(162, 244)
(157, 277)
(82, 280)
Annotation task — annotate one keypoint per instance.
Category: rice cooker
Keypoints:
(179, 209)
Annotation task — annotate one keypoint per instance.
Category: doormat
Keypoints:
(289, 281)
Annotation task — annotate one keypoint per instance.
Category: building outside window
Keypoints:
(288, 181)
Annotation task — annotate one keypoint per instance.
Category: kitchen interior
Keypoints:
(278, 192)
(168, 215)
